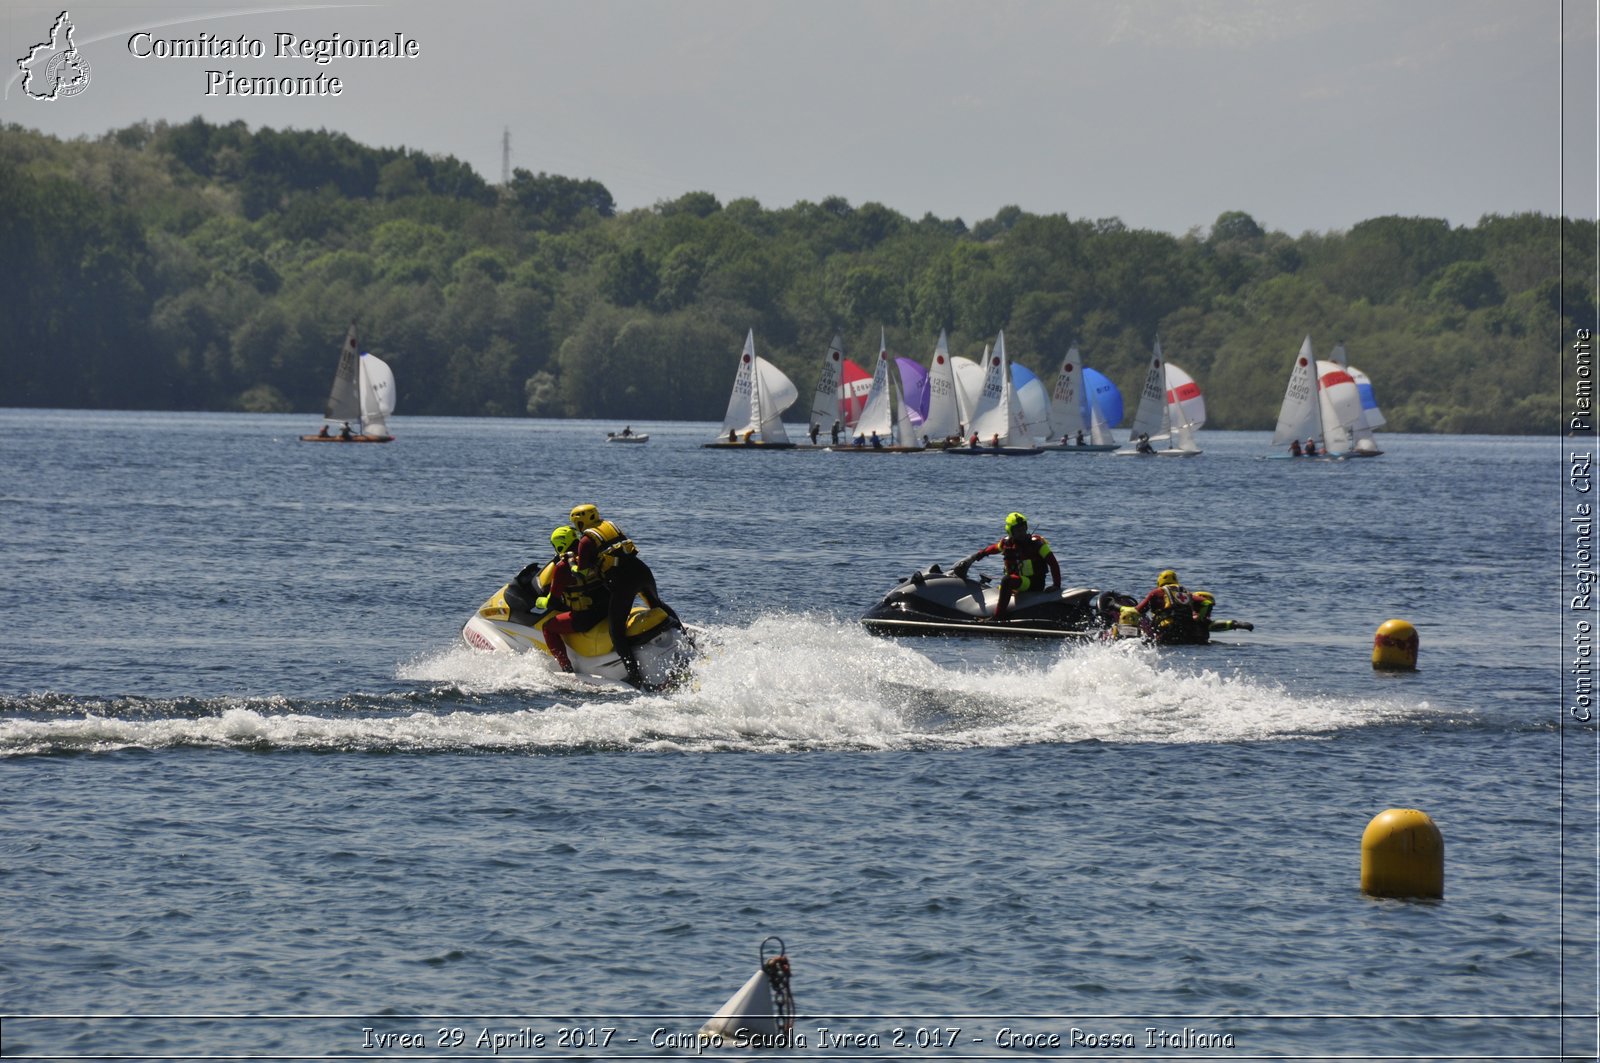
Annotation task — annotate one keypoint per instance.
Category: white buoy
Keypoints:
(747, 1011)
(761, 1012)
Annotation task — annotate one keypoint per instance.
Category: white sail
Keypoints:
(344, 402)
(1185, 398)
(377, 396)
(1099, 431)
(1066, 400)
(741, 402)
(886, 412)
(774, 393)
(1033, 402)
(877, 416)
(944, 413)
(1300, 417)
(761, 392)
(825, 403)
(1369, 403)
(998, 413)
(1340, 405)
(969, 387)
(1366, 444)
(1152, 417)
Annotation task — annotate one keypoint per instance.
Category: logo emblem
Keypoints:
(55, 69)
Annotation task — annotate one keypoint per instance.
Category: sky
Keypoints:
(1309, 115)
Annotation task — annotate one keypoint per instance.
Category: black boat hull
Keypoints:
(937, 603)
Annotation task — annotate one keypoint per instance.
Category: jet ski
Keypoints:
(940, 603)
(510, 622)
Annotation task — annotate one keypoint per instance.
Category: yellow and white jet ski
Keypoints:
(510, 623)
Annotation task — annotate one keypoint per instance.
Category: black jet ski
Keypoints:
(939, 603)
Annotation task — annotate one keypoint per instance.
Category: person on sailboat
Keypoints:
(1169, 606)
(1025, 556)
(1144, 446)
(1204, 602)
(835, 432)
(1080, 437)
(876, 442)
(816, 430)
(345, 434)
(604, 547)
(1294, 449)
(324, 432)
(1311, 448)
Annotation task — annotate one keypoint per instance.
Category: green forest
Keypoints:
(212, 267)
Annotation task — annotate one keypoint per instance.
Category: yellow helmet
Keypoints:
(1203, 596)
(562, 538)
(1127, 615)
(1167, 578)
(585, 516)
(1015, 521)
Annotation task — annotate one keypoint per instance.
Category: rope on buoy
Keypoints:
(777, 971)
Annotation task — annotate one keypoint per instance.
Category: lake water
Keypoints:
(259, 801)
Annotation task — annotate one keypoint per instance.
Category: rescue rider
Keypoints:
(575, 595)
(1025, 557)
(1169, 605)
(604, 547)
(1204, 602)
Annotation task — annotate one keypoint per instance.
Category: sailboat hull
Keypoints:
(1087, 448)
(752, 445)
(352, 439)
(994, 452)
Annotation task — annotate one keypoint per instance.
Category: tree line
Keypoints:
(215, 267)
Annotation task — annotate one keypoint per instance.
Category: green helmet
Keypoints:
(562, 538)
(1016, 522)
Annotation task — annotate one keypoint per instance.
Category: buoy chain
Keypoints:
(777, 969)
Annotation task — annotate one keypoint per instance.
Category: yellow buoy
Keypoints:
(1394, 647)
(1402, 855)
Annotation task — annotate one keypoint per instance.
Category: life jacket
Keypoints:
(582, 586)
(612, 543)
(1025, 559)
(1176, 604)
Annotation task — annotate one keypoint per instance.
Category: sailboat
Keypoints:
(1163, 416)
(1073, 409)
(854, 383)
(1366, 444)
(997, 426)
(943, 420)
(884, 426)
(362, 393)
(1032, 400)
(761, 392)
(826, 408)
(1322, 402)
